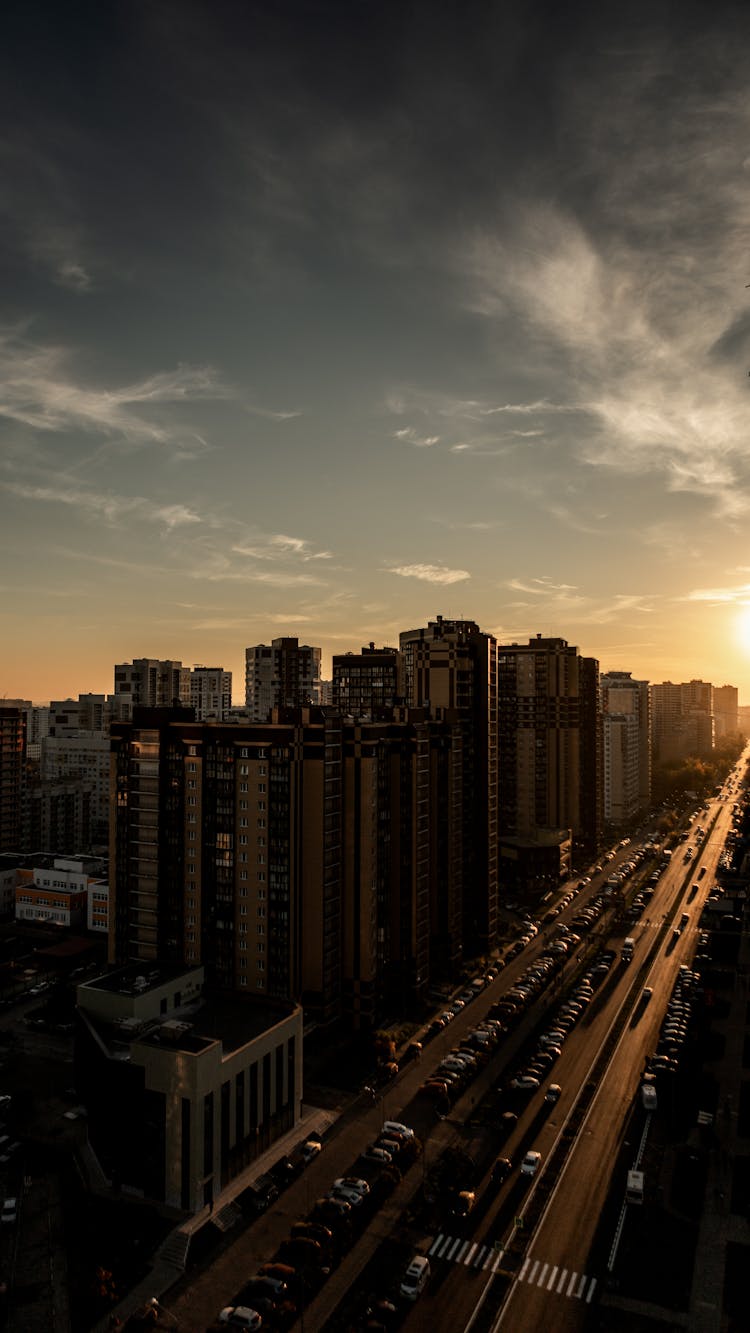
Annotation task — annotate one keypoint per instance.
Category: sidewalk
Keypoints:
(165, 1272)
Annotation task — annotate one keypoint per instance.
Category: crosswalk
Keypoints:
(469, 1253)
(562, 1281)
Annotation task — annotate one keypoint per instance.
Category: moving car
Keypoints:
(530, 1163)
(415, 1278)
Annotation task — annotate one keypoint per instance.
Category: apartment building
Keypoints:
(282, 674)
(148, 682)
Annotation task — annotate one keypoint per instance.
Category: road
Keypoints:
(551, 1286)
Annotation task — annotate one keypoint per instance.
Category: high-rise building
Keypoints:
(210, 693)
(550, 741)
(148, 682)
(627, 746)
(682, 720)
(451, 671)
(284, 674)
(292, 859)
(12, 760)
(367, 683)
(726, 710)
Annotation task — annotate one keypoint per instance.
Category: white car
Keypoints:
(553, 1093)
(240, 1316)
(530, 1163)
(415, 1278)
(398, 1128)
(352, 1197)
(352, 1183)
(310, 1150)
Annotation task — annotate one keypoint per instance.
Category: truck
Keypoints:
(634, 1187)
(628, 949)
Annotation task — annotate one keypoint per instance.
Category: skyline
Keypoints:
(322, 320)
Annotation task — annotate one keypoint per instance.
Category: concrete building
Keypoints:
(12, 762)
(183, 1092)
(53, 894)
(682, 720)
(726, 710)
(450, 669)
(210, 693)
(148, 682)
(368, 683)
(284, 674)
(626, 746)
(296, 859)
(550, 741)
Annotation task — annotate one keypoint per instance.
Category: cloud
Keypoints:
(37, 389)
(539, 586)
(113, 508)
(73, 275)
(430, 573)
(740, 595)
(411, 437)
(276, 546)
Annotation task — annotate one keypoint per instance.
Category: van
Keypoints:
(649, 1099)
(415, 1278)
(634, 1187)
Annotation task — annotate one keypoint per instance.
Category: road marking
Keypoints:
(471, 1254)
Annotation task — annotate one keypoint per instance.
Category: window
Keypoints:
(261, 786)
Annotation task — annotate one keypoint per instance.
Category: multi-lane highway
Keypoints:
(526, 1265)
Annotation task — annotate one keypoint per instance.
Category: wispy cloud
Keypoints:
(277, 546)
(410, 436)
(38, 389)
(112, 508)
(717, 596)
(430, 573)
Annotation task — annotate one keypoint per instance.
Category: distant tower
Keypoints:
(284, 675)
(148, 682)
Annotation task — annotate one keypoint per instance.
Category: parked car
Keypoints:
(310, 1150)
(240, 1316)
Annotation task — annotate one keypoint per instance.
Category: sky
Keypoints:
(324, 318)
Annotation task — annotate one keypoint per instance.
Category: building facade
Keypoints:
(211, 693)
(550, 741)
(282, 674)
(148, 682)
(183, 1093)
(627, 747)
(450, 670)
